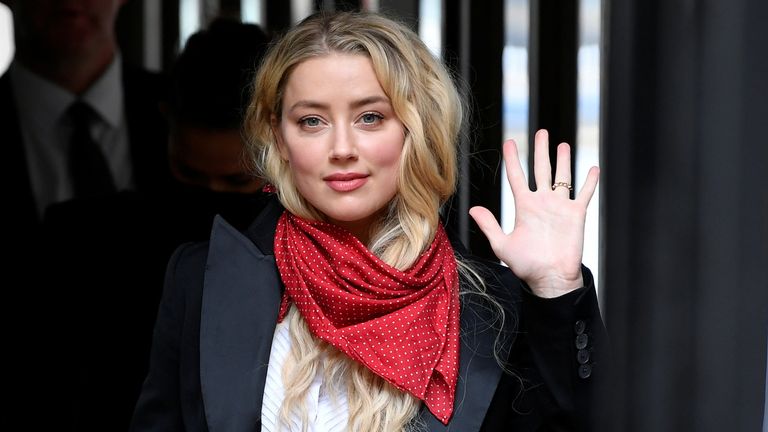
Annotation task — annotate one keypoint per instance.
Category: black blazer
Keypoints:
(218, 313)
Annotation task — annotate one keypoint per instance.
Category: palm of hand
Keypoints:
(545, 247)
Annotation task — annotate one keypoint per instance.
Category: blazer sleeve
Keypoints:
(159, 406)
(558, 362)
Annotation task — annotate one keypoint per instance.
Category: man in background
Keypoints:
(75, 122)
(115, 248)
(68, 70)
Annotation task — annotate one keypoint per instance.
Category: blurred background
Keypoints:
(668, 97)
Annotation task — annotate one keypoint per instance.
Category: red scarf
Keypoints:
(402, 325)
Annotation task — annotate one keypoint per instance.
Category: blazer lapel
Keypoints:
(479, 373)
(241, 299)
(239, 314)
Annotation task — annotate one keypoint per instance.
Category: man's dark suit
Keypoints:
(147, 134)
(37, 308)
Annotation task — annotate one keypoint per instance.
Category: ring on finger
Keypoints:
(562, 184)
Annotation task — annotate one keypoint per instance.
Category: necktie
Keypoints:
(88, 167)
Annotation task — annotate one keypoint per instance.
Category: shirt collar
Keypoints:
(50, 101)
(40, 98)
(105, 95)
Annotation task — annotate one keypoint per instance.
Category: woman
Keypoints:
(345, 306)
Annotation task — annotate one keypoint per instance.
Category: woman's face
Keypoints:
(342, 140)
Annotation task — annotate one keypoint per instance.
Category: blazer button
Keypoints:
(582, 356)
(585, 371)
(579, 327)
(581, 341)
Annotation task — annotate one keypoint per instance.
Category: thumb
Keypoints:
(488, 225)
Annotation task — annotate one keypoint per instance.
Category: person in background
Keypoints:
(209, 92)
(345, 305)
(127, 238)
(206, 101)
(67, 84)
(76, 121)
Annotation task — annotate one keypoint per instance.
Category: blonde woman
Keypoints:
(345, 306)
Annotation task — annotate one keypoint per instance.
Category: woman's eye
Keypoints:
(371, 118)
(310, 122)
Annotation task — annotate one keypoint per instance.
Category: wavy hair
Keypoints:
(426, 100)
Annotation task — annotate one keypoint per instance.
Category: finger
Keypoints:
(515, 174)
(488, 225)
(563, 171)
(586, 192)
(541, 167)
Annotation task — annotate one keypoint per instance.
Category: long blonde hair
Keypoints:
(425, 99)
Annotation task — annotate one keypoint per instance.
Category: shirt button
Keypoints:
(585, 371)
(579, 327)
(581, 341)
(582, 356)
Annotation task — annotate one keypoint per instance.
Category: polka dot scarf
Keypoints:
(402, 325)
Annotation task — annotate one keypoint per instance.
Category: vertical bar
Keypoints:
(347, 5)
(486, 47)
(405, 10)
(230, 8)
(252, 11)
(278, 14)
(301, 9)
(153, 33)
(477, 57)
(456, 51)
(516, 94)
(587, 154)
(554, 44)
(170, 40)
(129, 30)
(431, 25)
(190, 19)
(209, 10)
(7, 46)
(370, 5)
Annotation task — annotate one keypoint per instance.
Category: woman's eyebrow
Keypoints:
(308, 104)
(368, 101)
(324, 106)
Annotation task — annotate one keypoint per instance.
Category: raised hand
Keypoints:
(545, 247)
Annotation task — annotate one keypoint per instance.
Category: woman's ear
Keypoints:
(275, 125)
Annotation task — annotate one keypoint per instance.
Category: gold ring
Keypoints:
(563, 184)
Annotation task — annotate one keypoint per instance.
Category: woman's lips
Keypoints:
(346, 182)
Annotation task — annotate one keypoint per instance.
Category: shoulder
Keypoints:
(189, 258)
(186, 271)
(227, 245)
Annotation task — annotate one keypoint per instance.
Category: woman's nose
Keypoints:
(344, 145)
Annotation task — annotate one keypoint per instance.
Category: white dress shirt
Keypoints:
(46, 130)
(324, 414)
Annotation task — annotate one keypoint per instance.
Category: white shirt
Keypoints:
(324, 415)
(46, 129)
